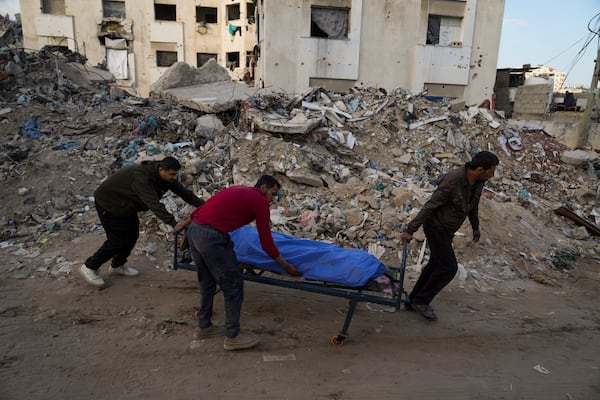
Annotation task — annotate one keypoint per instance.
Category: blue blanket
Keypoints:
(315, 260)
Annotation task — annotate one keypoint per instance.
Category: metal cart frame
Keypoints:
(353, 294)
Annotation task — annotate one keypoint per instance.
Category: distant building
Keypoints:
(549, 73)
(138, 40)
(447, 47)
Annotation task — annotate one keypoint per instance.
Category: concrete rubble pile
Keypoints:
(355, 167)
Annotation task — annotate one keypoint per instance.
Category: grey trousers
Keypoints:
(217, 264)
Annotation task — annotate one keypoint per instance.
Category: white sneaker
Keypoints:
(124, 271)
(241, 341)
(91, 276)
(210, 332)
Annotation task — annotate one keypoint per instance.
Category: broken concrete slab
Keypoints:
(182, 74)
(83, 75)
(275, 123)
(306, 177)
(208, 89)
(212, 97)
(209, 126)
(575, 157)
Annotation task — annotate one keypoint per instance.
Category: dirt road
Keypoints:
(61, 339)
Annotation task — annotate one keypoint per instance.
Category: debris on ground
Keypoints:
(354, 166)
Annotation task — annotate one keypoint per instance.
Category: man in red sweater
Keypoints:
(214, 255)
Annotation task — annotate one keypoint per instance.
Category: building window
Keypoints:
(233, 60)
(165, 12)
(250, 11)
(444, 31)
(166, 58)
(330, 23)
(233, 12)
(113, 9)
(202, 58)
(207, 15)
(56, 7)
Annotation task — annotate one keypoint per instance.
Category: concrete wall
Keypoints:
(532, 99)
(573, 129)
(385, 47)
(79, 29)
(593, 139)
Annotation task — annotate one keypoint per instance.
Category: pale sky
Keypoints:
(9, 7)
(551, 33)
(536, 32)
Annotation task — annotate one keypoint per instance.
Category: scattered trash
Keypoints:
(541, 369)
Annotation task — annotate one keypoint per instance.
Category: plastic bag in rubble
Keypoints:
(596, 215)
(30, 127)
(277, 216)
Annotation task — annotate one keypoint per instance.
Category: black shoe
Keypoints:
(425, 310)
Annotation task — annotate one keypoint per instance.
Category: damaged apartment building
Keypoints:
(137, 40)
(448, 48)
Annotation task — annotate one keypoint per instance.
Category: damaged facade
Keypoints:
(530, 94)
(137, 41)
(449, 48)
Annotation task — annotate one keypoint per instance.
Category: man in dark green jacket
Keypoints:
(118, 200)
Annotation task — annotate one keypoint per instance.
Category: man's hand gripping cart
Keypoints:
(355, 294)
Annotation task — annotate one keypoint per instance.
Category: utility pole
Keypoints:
(592, 111)
(594, 84)
(594, 89)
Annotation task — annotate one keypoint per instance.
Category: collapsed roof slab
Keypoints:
(84, 75)
(208, 88)
(212, 97)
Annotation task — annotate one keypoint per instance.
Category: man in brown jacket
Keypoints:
(455, 199)
(118, 200)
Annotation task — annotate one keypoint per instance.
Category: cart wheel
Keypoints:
(337, 340)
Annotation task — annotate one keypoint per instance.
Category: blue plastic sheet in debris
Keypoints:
(30, 127)
(314, 259)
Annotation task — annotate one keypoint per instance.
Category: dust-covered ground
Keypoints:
(522, 340)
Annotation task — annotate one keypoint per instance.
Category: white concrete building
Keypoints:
(447, 47)
(558, 77)
(139, 39)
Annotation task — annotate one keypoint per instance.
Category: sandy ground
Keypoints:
(62, 339)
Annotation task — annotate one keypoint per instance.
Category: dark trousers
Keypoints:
(217, 264)
(440, 269)
(121, 235)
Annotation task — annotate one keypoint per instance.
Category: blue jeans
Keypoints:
(440, 269)
(217, 264)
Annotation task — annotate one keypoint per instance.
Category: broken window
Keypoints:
(233, 12)
(250, 59)
(165, 12)
(250, 11)
(202, 58)
(207, 15)
(113, 9)
(166, 58)
(444, 31)
(56, 7)
(116, 57)
(331, 23)
(233, 60)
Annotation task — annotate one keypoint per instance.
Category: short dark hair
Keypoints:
(267, 180)
(169, 164)
(483, 159)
